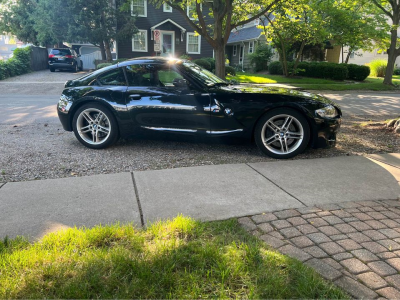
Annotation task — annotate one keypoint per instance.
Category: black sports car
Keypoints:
(178, 96)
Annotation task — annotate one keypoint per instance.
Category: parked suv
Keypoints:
(65, 58)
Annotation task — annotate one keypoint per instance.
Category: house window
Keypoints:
(167, 8)
(251, 47)
(234, 50)
(139, 7)
(139, 41)
(352, 54)
(191, 10)
(193, 43)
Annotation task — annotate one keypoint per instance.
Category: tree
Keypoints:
(15, 18)
(224, 15)
(391, 8)
(357, 25)
(294, 22)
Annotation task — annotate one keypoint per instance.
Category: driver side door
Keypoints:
(156, 104)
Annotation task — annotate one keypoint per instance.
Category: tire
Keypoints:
(275, 139)
(81, 66)
(75, 68)
(52, 69)
(93, 132)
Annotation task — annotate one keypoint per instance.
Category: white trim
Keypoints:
(145, 9)
(234, 51)
(251, 47)
(168, 20)
(146, 38)
(172, 40)
(187, 43)
(188, 6)
(166, 9)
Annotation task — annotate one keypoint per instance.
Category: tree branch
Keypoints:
(383, 9)
(256, 16)
(201, 18)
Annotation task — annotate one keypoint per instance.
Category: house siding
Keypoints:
(156, 16)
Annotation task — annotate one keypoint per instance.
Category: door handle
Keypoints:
(135, 97)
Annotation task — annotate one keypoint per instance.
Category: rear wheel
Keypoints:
(95, 126)
(75, 68)
(282, 133)
(52, 69)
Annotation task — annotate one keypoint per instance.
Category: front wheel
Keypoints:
(95, 126)
(81, 66)
(282, 133)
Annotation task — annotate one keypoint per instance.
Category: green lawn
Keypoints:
(176, 259)
(371, 83)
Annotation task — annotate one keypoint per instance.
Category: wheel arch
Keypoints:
(84, 101)
(295, 107)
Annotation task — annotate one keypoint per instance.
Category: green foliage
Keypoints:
(275, 68)
(230, 71)
(261, 57)
(313, 69)
(178, 259)
(103, 65)
(211, 61)
(359, 73)
(185, 56)
(19, 64)
(203, 63)
(378, 67)
(396, 71)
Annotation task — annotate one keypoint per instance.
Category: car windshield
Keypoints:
(60, 52)
(202, 75)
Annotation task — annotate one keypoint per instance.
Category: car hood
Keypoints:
(289, 92)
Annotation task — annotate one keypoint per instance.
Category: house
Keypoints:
(162, 32)
(8, 44)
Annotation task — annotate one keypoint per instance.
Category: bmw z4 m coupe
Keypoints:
(178, 96)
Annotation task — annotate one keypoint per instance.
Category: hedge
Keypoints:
(324, 70)
(19, 64)
(103, 65)
(202, 62)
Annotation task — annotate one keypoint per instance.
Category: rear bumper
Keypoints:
(66, 65)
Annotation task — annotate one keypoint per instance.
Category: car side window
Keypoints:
(142, 75)
(112, 77)
(169, 77)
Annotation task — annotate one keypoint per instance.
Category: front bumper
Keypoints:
(63, 108)
(326, 131)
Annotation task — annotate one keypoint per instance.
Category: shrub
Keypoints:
(337, 72)
(103, 65)
(261, 57)
(378, 67)
(275, 68)
(19, 64)
(396, 71)
(185, 56)
(230, 71)
(211, 61)
(359, 73)
(203, 63)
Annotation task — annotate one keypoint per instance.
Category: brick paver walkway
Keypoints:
(354, 244)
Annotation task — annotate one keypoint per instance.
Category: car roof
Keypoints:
(148, 60)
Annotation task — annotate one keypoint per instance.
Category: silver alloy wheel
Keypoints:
(282, 134)
(93, 126)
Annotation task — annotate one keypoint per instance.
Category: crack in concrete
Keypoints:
(277, 185)
(138, 199)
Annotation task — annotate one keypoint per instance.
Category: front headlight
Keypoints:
(328, 111)
(64, 104)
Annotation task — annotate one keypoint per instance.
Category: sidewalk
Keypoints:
(35, 208)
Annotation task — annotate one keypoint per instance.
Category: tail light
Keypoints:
(68, 56)
(51, 55)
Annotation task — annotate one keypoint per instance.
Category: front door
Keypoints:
(167, 43)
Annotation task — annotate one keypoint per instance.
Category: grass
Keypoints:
(181, 258)
(371, 83)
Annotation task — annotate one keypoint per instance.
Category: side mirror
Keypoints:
(180, 82)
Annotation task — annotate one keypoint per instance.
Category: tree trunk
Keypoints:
(220, 61)
(392, 55)
(103, 51)
(284, 59)
(303, 43)
(107, 47)
(348, 56)
(342, 53)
